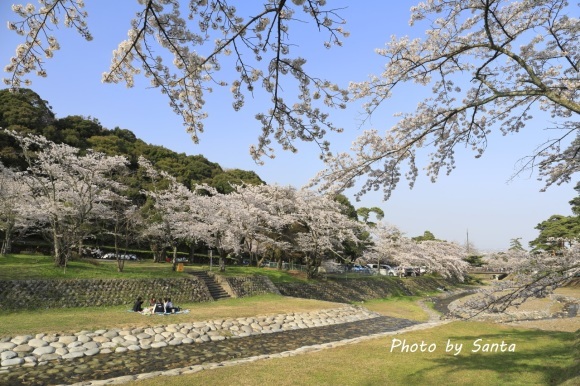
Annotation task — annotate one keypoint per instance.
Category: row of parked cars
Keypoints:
(97, 253)
(122, 256)
(387, 270)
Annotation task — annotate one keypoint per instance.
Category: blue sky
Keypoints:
(475, 198)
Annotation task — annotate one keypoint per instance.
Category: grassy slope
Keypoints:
(24, 267)
(77, 319)
(399, 307)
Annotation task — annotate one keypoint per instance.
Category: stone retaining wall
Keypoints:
(244, 286)
(35, 294)
(357, 290)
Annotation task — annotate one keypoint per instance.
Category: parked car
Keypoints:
(95, 253)
(389, 271)
(399, 271)
(415, 271)
(122, 256)
(412, 271)
(360, 269)
(383, 269)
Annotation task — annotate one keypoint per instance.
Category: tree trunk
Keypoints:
(174, 261)
(120, 262)
(58, 248)
(80, 249)
(7, 243)
(312, 265)
(157, 258)
(6, 246)
(222, 262)
(191, 252)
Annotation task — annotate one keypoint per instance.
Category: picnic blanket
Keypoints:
(144, 312)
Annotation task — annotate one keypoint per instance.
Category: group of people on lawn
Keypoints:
(160, 305)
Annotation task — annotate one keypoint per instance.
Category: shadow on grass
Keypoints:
(555, 356)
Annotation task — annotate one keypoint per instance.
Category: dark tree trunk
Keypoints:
(222, 262)
(174, 260)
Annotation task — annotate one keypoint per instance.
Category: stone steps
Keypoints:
(216, 291)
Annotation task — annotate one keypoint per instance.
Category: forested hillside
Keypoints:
(27, 112)
(87, 189)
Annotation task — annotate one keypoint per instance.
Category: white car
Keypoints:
(383, 269)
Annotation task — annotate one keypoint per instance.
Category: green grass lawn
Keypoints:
(25, 267)
(24, 322)
(69, 320)
(276, 275)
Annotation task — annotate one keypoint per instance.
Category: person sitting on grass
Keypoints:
(138, 306)
(159, 307)
(151, 309)
(169, 308)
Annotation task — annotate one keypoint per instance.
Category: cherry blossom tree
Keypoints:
(441, 257)
(279, 203)
(234, 223)
(322, 228)
(270, 226)
(248, 220)
(179, 46)
(183, 215)
(122, 221)
(16, 216)
(71, 190)
(251, 219)
(268, 216)
(531, 275)
(177, 214)
(505, 261)
(490, 65)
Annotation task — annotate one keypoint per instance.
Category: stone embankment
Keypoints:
(74, 293)
(28, 350)
(567, 307)
(363, 289)
(41, 294)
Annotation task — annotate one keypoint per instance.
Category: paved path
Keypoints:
(173, 360)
